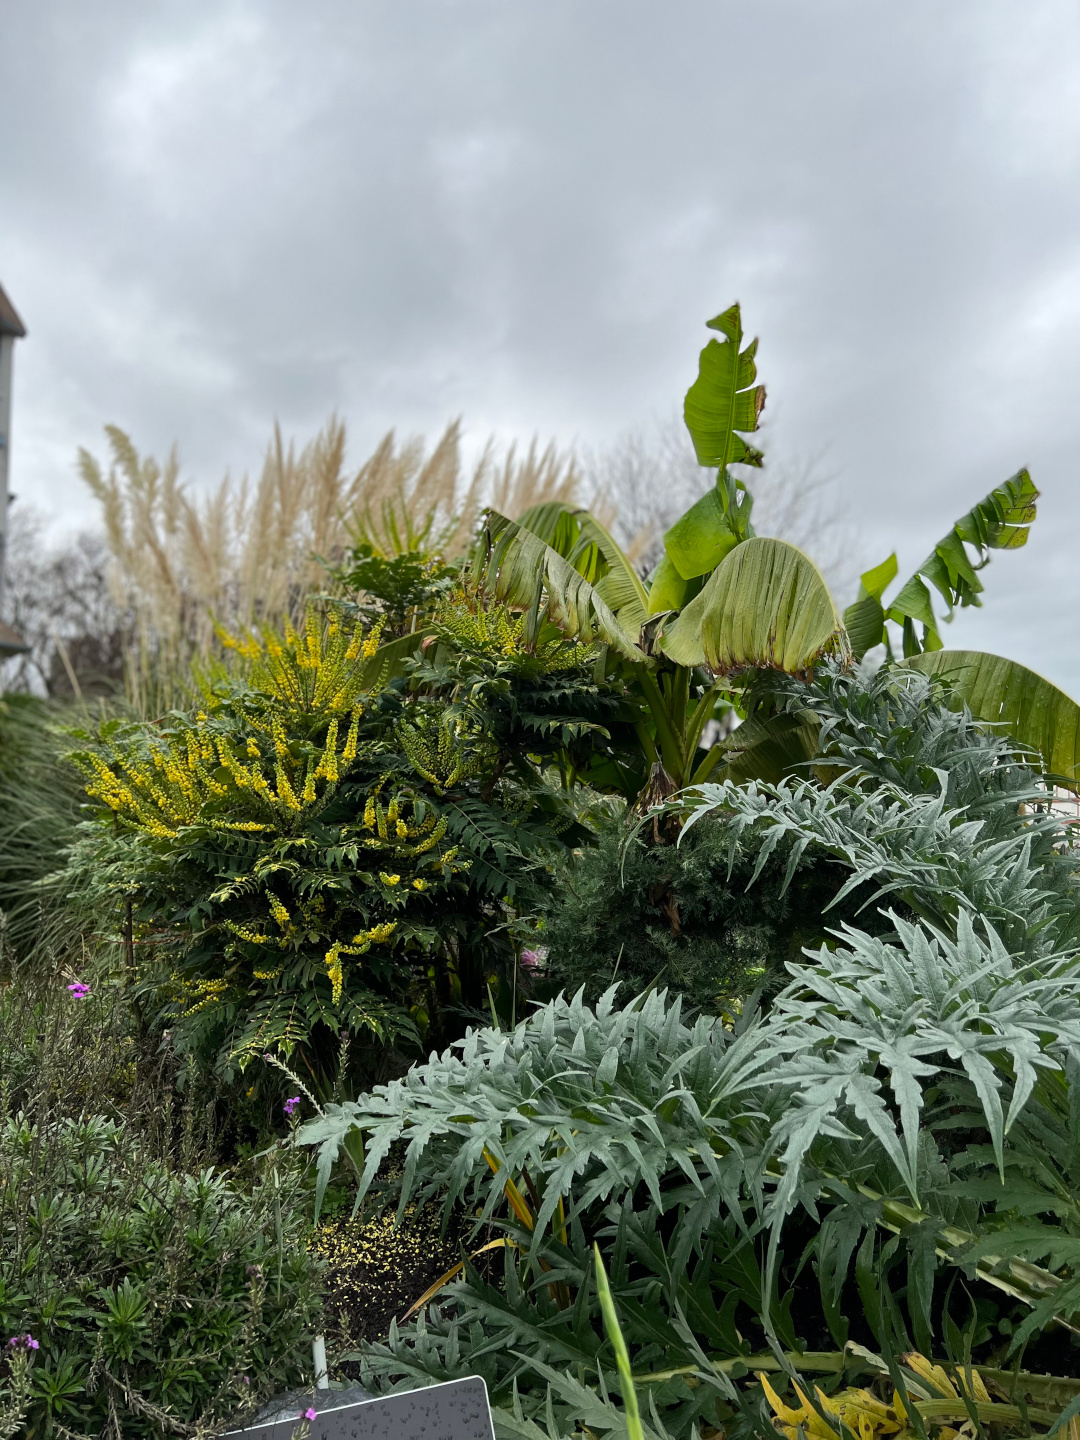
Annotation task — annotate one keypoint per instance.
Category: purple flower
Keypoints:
(291, 1104)
(310, 1413)
(79, 991)
(532, 959)
(23, 1342)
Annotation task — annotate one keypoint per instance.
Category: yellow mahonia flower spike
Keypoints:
(360, 945)
(371, 644)
(333, 969)
(348, 754)
(285, 791)
(161, 782)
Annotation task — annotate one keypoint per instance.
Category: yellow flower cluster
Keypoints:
(359, 945)
(470, 619)
(308, 919)
(200, 994)
(391, 831)
(438, 753)
(180, 779)
(494, 629)
(163, 784)
(316, 671)
(863, 1414)
(389, 825)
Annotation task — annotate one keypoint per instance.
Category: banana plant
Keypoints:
(721, 601)
(725, 604)
(1001, 692)
(1000, 522)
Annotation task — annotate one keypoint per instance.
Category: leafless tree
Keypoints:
(650, 477)
(58, 598)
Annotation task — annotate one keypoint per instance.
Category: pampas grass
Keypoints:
(247, 553)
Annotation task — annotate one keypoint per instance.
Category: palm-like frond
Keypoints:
(524, 572)
(999, 522)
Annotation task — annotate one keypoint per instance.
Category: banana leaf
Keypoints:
(766, 605)
(668, 590)
(595, 553)
(1007, 694)
(865, 619)
(722, 406)
(1000, 522)
(771, 749)
(724, 400)
(525, 572)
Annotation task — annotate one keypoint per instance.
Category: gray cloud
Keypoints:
(212, 215)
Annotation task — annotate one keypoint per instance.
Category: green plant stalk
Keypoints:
(622, 1357)
(819, 1362)
(679, 725)
(670, 745)
(1052, 1389)
(1026, 1277)
(1027, 1280)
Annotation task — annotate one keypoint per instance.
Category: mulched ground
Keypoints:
(376, 1269)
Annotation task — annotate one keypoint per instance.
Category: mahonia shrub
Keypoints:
(329, 854)
(152, 1296)
(253, 884)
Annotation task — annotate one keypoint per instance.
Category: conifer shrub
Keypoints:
(685, 917)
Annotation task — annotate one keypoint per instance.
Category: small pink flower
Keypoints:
(79, 991)
(532, 959)
(310, 1413)
(23, 1342)
(291, 1104)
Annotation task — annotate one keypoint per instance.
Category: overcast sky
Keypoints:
(213, 215)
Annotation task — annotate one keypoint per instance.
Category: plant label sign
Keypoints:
(458, 1410)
